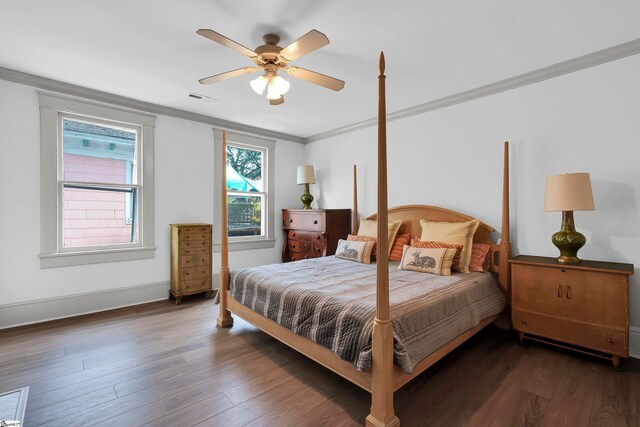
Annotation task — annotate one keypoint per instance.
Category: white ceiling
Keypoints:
(148, 49)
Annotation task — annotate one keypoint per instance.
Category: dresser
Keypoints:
(190, 260)
(582, 307)
(312, 233)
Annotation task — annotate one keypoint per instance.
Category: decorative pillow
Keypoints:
(355, 238)
(427, 260)
(398, 245)
(354, 251)
(456, 259)
(459, 233)
(369, 228)
(479, 252)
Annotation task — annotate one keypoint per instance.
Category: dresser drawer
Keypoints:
(592, 297)
(189, 251)
(195, 234)
(196, 285)
(184, 244)
(195, 272)
(195, 260)
(313, 221)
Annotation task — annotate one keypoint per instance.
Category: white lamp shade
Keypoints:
(569, 192)
(259, 84)
(306, 174)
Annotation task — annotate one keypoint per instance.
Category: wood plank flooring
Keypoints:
(164, 365)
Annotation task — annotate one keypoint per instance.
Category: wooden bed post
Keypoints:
(505, 245)
(382, 336)
(355, 200)
(224, 317)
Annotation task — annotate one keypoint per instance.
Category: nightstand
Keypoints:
(313, 233)
(582, 307)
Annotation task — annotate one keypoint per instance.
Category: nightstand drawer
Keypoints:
(585, 296)
(560, 329)
(195, 260)
(195, 272)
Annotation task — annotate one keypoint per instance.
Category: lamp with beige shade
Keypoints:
(568, 193)
(306, 176)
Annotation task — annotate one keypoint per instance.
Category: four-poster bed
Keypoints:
(384, 377)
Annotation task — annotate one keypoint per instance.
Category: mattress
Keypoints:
(332, 302)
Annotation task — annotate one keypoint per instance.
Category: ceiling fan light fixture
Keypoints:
(259, 84)
(272, 92)
(281, 84)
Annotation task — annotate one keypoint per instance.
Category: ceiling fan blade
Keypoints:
(277, 101)
(311, 41)
(225, 41)
(316, 78)
(228, 75)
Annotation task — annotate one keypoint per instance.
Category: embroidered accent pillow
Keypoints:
(459, 233)
(427, 260)
(369, 228)
(456, 259)
(356, 238)
(398, 246)
(354, 251)
(479, 252)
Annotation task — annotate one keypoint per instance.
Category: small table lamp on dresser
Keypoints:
(306, 176)
(567, 193)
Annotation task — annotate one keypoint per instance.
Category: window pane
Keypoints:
(245, 215)
(98, 217)
(244, 169)
(98, 153)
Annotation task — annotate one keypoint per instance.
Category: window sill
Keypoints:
(245, 245)
(68, 259)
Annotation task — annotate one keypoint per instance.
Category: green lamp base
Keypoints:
(568, 240)
(306, 198)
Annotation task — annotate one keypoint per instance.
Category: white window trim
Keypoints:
(244, 242)
(51, 254)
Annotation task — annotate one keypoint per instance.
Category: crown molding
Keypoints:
(560, 69)
(135, 104)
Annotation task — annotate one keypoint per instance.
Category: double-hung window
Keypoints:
(249, 174)
(97, 183)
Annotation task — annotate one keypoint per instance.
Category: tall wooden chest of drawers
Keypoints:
(190, 260)
(585, 305)
(313, 233)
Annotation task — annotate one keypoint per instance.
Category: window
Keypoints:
(96, 188)
(249, 184)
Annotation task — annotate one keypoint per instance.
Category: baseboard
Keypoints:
(634, 342)
(42, 310)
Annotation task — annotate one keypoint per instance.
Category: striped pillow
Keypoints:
(417, 243)
(479, 252)
(398, 245)
(355, 238)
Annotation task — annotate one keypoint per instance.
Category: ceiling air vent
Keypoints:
(204, 98)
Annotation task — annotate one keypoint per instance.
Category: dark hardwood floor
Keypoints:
(164, 365)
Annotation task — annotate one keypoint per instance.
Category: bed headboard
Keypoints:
(410, 215)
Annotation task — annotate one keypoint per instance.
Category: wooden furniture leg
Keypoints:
(224, 317)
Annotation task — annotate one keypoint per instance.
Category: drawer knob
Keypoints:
(293, 234)
(318, 250)
(568, 292)
(319, 236)
(559, 290)
(315, 221)
(524, 322)
(610, 340)
(290, 220)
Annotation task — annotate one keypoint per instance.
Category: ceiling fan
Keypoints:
(272, 58)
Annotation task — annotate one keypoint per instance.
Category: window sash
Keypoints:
(136, 180)
(100, 187)
(263, 194)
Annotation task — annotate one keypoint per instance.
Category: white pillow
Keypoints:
(354, 251)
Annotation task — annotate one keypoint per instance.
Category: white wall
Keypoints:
(582, 122)
(184, 159)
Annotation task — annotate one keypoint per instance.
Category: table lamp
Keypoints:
(567, 193)
(306, 176)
